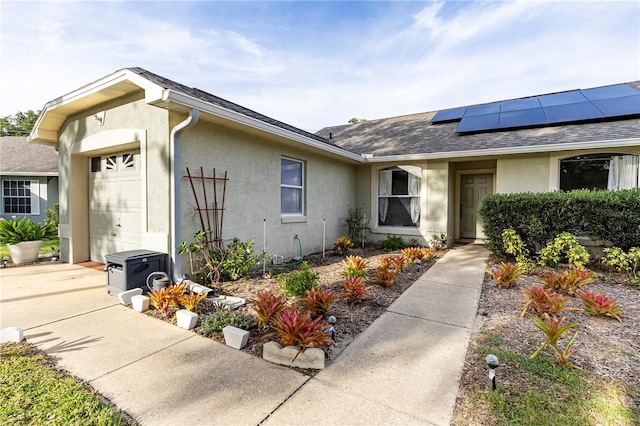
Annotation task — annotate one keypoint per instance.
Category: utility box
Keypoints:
(127, 270)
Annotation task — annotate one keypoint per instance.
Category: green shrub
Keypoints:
(391, 243)
(297, 283)
(624, 262)
(564, 247)
(538, 218)
(222, 317)
(355, 224)
(238, 258)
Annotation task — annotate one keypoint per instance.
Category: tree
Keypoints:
(19, 124)
(357, 120)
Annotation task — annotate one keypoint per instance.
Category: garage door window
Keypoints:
(113, 163)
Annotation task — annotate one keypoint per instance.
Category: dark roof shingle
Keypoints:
(414, 134)
(18, 155)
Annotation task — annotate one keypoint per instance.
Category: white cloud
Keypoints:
(399, 58)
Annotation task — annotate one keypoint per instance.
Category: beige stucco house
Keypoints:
(125, 143)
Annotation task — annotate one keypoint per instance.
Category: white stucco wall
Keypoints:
(528, 173)
(253, 190)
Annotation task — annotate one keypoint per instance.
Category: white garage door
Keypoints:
(114, 204)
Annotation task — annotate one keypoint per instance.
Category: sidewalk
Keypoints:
(404, 369)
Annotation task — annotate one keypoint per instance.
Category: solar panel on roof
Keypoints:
(478, 123)
(609, 92)
(522, 118)
(564, 98)
(449, 115)
(572, 112)
(615, 107)
(485, 109)
(519, 104)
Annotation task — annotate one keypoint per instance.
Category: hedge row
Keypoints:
(538, 218)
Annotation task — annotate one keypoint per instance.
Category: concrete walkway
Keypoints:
(404, 369)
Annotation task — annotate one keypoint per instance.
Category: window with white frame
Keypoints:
(399, 196)
(599, 171)
(20, 197)
(291, 187)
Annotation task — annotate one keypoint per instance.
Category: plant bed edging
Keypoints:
(186, 319)
(309, 358)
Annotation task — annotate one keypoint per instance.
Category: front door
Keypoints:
(473, 189)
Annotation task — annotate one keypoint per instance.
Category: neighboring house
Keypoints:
(126, 141)
(28, 178)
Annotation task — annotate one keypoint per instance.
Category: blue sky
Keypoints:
(319, 63)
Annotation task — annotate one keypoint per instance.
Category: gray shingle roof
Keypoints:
(414, 134)
(215, 100)
(17, 155)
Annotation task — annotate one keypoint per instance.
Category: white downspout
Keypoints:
(176, 219)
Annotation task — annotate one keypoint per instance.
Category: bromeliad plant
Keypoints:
(554, 329)
(567, 282)
(388, 269)
(191, 300)
(356, 267)
(267, 305)
(163, 299)
(543, 301)
(317, 301)
(295, 328)
(599, 305)
(506, 274)
(354, 290)
(343, 244)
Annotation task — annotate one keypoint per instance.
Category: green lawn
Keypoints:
(33, 392)
(48, 247)
(539, 392)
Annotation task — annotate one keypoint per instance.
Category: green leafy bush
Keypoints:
(355, 224)
(538, 218)
(297, 283)
(16, 230)
(215, 261)
(564, 247)
(391, 243)
(222, 317)
(624, 262)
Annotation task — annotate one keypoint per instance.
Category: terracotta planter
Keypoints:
(24, 252)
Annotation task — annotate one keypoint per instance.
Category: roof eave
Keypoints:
(610, 143)
(55, 112)
(179, 98)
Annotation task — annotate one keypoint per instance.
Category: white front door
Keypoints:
(115, 207)
(473, 189)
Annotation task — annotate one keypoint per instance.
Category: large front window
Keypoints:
(599, 171)
(291, 187)
(399, 196)
(20, 196)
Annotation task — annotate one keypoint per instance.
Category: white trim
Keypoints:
(613, 143)
(39, 174)
(302, 187)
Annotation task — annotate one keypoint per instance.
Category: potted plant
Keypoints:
(24, 238)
